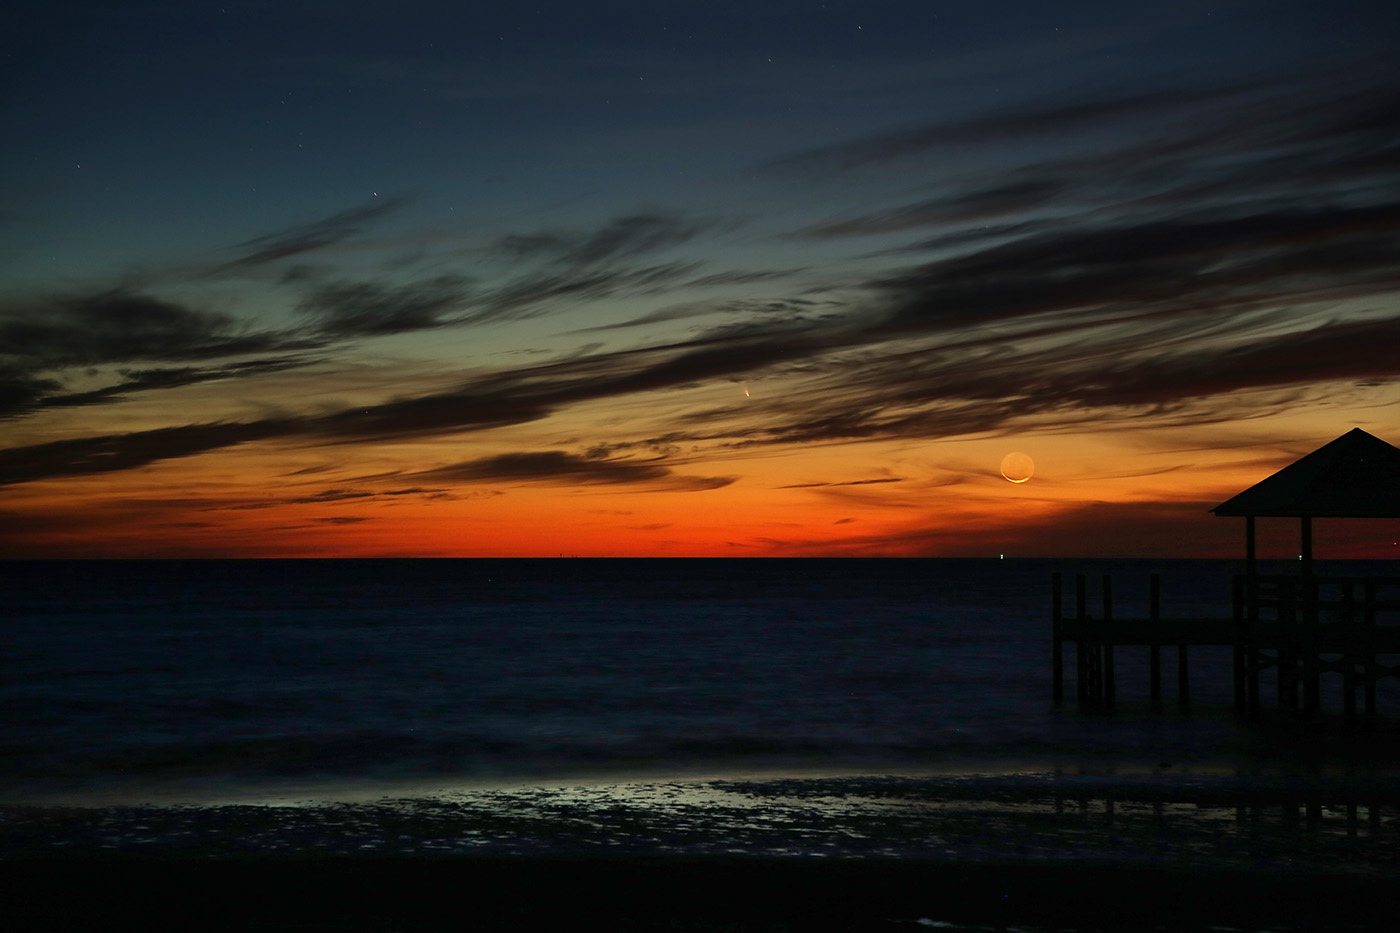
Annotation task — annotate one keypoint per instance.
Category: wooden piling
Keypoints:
(1056, 649)
(1110, 686)
(1155, 651)
(1302, 631)
(1081, 648)
(1369, 634)
(1353, 654)
(1286, 655)
(1310, 660)
(1238, 667)
(1349, 692)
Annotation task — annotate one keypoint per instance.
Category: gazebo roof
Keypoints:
(1355, 476)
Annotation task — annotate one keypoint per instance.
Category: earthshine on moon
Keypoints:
(1017, 467)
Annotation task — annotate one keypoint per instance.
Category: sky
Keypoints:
(308, 278)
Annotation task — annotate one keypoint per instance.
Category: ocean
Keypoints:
(805, 744)
(223, 681)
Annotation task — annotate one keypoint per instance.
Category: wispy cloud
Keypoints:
(755, 313)
(39, 339)
(1155, 365)
(113, 452)
(371, 309)
(1047, 117)
(1224, 262)
(284, 244)
(624, 237)
(533, 294)
(958, 206)
(121, 326)
(355, 495)
(556, 466)
(853, 482)
(1165, 305)
(140, 380)
(46, 343)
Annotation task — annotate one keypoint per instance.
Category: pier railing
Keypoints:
(1306, 626)
(1324, 599)
(1301, 627)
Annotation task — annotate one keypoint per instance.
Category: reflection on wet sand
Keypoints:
(1030, 852)
(1221, 820)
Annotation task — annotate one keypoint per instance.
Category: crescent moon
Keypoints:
(1017, 467)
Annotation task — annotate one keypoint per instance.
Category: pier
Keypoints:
(1295, 628)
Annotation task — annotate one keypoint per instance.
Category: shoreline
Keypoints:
(1178, 851)
(1229, 820)
(1333, 757)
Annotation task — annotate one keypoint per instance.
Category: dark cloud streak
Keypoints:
(560, 467)
(316, 235)
(1167, 304)
(148, 379)
(120, 326)
(110, 453)
(624, 237)
(1030, 120)
(957, 207)
(367, 309)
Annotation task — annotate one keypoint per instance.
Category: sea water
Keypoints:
(215, 681)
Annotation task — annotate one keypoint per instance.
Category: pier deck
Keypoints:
(1222, 633)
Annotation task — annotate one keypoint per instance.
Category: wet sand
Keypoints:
(1032, 852)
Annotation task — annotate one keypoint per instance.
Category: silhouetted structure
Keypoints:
(1096, 637)
(1305, 625)
(1301, 625)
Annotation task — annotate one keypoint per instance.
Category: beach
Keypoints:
(971, 852)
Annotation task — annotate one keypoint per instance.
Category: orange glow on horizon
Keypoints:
(934, 500)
